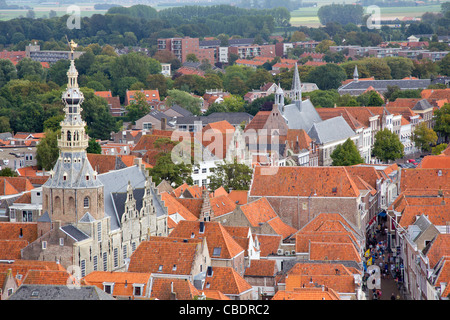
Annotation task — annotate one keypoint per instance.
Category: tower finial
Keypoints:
(355, 73)
(296, 90)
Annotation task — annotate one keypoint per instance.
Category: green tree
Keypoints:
(7, 71)
(138, 108)
(231, 176)
(346, 154)
(444, 65)
(29, 69)
(387, 146)
(424, 137)
(184, 100)
(259, 78)
(94, 147)
(191, 57)
(324, 98)
(442, 121)
(47, 150)
(329, 76)
(166, 169)
(437, 150)
(400, 67)
(4, 124)
(53, 123)
(8, 172)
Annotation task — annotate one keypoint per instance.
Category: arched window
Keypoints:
(69, 136)
(86, 202)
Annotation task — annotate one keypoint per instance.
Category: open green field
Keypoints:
(308, 16)
(86, 10)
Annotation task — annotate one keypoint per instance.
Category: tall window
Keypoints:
(116, 257)
(99, 231)
(105, 261)
(86, 202)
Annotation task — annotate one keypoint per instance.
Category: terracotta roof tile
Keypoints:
(438, 214)
(285, 181)
(173, 206)
(18, 231)
(48, 277)
(261, 268)
(435, 162)
(222, 205)
(216, 237)
(11, 249)
(162, 256)
(123, 281)
(333, 251)
(214, 295)
(307, 294)
(258, 211)
(239, 196)
(183, 289)
(227, 280)
(332, 275)
(269, 244)
(425, 179)
(440, 247)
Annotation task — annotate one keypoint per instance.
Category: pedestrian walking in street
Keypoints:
(379, 294)
(392, 296)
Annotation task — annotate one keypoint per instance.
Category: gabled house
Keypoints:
(298, 194)
(228, 281)
(330, 276)
(223, 249)
(171, 256)
(151, 96)
(261, 218)
(261, 275)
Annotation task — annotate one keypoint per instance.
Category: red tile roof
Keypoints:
(307, 294)
(440, 247)
(299, 181)
(18, 231)
(123, 281)
(261, 268)
(425, 179)
(170, 288)
(49, 277)
(162, 256)
(216, 237)
(435, 162)
(238, 196)
(227, 280)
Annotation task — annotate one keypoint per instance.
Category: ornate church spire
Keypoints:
(296, 89)
(72, 169)
(73, 137)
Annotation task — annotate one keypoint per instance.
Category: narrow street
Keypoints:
(388, 283)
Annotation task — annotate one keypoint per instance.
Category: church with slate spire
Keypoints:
(300, 114)
(92, 221)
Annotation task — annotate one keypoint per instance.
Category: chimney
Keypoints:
(163, 123)
(206, 212)
(137, 162)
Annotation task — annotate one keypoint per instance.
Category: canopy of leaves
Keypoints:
(346, 154)
(231, 176)
(387, 146)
